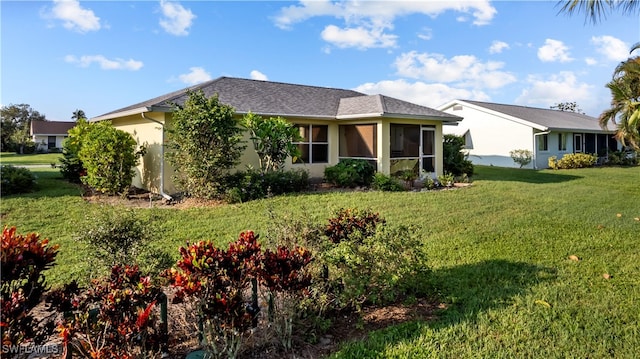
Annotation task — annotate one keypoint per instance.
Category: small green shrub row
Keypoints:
(622, 158)
(252, 184)
(383, 182)
(16, 180)
(350, 172)
(572, 160)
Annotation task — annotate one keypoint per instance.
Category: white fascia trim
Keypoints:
(360, 115)
(135, 111)
(498, 114)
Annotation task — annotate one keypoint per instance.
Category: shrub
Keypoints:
(372, 263)
(113, 318)
(252, 184)
(622, 158)
(573, 160)
(115, 235)
(273, 139)
(109, 156)
(521, 157)
(216, 280)
(16, 180)
(454, 159)
(71, 167)
(446, 179)
(383, 182)
(350, 172)
(24, 260)
(352, 224)
(203, 145)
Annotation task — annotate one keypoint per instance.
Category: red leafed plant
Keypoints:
(283, 270)
(24, 259)
(348, 222)
(113, 318)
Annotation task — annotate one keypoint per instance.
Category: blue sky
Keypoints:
(98, 56)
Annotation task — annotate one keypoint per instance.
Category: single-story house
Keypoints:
(334, 123)
(48, 135)
(491, 131)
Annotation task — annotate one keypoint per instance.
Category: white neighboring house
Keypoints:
(48, 135)
(492, 130)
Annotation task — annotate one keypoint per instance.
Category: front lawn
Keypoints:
(499, 251)
(11, 158)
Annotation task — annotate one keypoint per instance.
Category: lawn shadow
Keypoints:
(522, 175)
(466, 290)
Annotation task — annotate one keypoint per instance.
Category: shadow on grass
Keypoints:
(522, 175)
(50, 183)
(467, 290)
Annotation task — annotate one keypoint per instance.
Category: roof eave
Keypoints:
(110, 116)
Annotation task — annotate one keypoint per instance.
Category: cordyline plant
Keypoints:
(351, 222)
(24, 260)
(113, 318)
(217, 281)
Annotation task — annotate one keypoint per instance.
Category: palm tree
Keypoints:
(597, 9)
(625, 101)
(78, 114)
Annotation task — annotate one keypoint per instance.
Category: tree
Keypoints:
(625, 101)
(16, 125)
(109, 156)
(567, 107)
(454, 159)
(78, 115)
(595, 10)
(272, 139)
(204, 143)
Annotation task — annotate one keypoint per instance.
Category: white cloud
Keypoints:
(554, 50)
(430, 95)
(497, 47)
(463, 70)
(104, 63)
(426, 34)
(366, 21)
(590, 61)
(177, 20)
(257, 75)
(612, 48)
(196, 76)
(561, 87)
(358, 37)
(74, 16)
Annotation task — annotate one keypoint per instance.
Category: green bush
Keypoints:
(71, 167)
(454, 159)
(16, 180)
(446, 180)
(573, 160)
(252, 184)
(622, 158)
(521, 157)
(350, 172)
(383, 182)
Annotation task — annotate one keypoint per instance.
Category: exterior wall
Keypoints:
(149, 134)
(491, 138)
(42, 141)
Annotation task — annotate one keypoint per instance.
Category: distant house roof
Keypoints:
(51, 128)
(540, 118)
(283, 99)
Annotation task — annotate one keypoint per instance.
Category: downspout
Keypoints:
(535, 147)
(162, 193)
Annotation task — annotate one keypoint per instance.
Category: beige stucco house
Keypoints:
(335, 123)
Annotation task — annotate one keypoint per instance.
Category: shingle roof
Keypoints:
(283, 99)
(51, 127)
(551, 119)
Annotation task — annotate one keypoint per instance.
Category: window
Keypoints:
(314, 147)
(405, 140)
(562, 142)
(359, 141)
(543, 142)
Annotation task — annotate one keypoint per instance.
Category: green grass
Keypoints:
(10, 158)
(498, 249)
